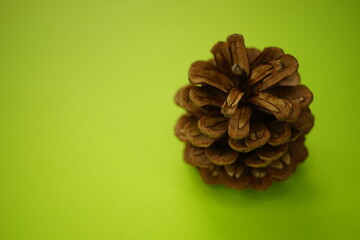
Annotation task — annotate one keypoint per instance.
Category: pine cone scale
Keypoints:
(267, 55)
(238, 53)
(222, 58)
(221, 154)
(292, 80)
(206, 96)
(239, 123)
(199, 75)
(290, 65)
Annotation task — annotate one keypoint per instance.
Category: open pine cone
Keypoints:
(246, 116)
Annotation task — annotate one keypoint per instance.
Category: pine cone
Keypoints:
(247, 116)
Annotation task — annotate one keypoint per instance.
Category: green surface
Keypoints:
(86, 128)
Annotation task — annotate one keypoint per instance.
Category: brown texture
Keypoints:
(246, 116)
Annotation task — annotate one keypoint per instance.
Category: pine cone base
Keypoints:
(246, 116)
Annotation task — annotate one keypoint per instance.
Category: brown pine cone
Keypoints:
(247, 116)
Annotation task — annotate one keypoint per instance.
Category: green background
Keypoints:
(87, 117)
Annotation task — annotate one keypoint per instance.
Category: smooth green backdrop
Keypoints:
(87, 149)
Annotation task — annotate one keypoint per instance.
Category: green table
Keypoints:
(86, 128)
